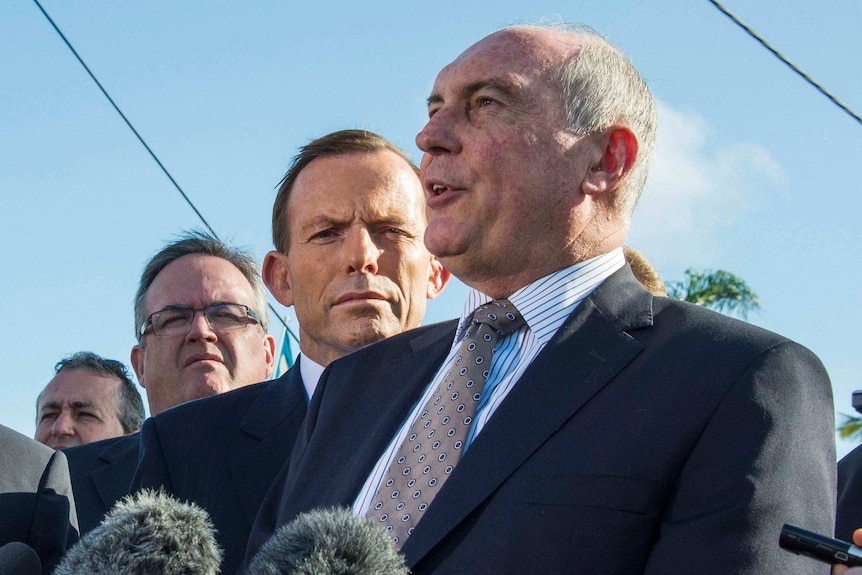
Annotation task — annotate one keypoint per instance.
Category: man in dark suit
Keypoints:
(347, 225)
(36, 502)
(616, 432)
(182, 354)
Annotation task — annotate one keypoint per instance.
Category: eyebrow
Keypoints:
(472, 88)
(74, 404)
(186, 307)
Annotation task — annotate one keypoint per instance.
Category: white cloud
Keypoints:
(696, 189)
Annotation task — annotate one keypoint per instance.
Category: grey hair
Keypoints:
(601, 87)
(199, 242)
(130, 406)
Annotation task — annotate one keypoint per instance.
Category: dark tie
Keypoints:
(436, 439)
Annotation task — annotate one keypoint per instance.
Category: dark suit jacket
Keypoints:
(849, 516)
(36, 502)
(649, 436)
(223, 453)
(101, 474)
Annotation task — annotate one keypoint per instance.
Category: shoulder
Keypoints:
(23, 461)
(191, 413)
(84, 458)
(410, 342)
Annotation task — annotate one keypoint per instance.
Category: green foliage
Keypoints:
(719, 290)
(850, 428)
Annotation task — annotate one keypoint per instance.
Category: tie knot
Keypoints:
(501, 315)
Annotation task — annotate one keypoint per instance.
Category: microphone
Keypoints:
(147, 532)
(18, 558)
(330, 541)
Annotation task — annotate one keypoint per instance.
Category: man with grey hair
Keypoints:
(90, 398)
(201, 324)
(569, 421)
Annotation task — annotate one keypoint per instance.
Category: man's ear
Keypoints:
(269, 353)
(438, 277)
(276, 277)
(138, 364)
(618, 149)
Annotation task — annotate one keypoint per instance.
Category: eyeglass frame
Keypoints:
(148, 323)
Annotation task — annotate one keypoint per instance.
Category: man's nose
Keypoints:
(361, 251)
(200, 329)
(439, 136)
(63, 425)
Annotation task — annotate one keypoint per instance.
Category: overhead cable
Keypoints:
(152, 154)
(781, 57)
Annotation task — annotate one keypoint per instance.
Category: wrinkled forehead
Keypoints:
(525, 50)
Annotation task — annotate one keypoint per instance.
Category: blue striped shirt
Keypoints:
(545, 305)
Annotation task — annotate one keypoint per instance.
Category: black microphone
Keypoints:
(148, 532)
(328, 542)
(18, 558)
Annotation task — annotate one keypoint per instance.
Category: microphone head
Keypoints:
(18, 558)
(147, 532)
(329, 542)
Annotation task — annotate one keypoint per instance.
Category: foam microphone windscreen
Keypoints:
(146, 533)
(18, 558)
(328, 542)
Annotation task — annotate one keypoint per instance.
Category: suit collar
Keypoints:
(275, 403)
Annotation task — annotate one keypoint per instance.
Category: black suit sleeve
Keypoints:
(54, 527)
(765, 458)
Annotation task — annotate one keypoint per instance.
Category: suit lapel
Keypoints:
(347, 401)
(113, 478)
(585, 354)
(267, 427)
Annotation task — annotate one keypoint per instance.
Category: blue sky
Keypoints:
(755, 172)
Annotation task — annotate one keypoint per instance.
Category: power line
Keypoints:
(152, 154)
(781, 57)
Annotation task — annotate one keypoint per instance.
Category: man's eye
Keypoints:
(483, 101)
(48, 416)
(323, 235)
(171, 319)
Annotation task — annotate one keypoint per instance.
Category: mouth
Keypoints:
(363, 296)
(438, 191)
(203, 357)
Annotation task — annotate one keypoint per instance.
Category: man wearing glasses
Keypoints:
(201, 324)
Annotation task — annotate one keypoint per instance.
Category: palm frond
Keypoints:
(719, 290)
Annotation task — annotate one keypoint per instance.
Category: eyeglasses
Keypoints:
(178, 320)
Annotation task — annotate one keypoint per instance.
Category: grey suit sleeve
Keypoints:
(55, 524)
(766, 457)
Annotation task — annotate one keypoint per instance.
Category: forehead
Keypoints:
(198, 280)
(513, 54)
(369, 186)
(80, 385)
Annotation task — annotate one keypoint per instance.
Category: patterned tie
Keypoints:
(436, 439)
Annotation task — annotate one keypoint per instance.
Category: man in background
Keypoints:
(347, 226)
(90, 398)
(201, 323)
(570, 421)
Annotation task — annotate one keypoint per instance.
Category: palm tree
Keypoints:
(719, 290)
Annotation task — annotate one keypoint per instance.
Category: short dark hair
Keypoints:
(130, 406)
(335, 144)
(199, 242)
